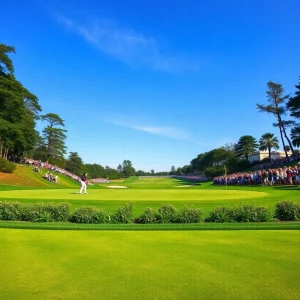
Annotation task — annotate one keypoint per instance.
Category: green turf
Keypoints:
(148, 192)
(149, 265)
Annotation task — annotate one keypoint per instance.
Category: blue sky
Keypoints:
(156, 82)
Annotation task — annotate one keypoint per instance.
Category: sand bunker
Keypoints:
(117, 187)
(180, 186)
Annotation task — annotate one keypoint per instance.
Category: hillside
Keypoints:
(25, 177)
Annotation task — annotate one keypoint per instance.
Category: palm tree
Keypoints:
(267, 142)
(295, 135)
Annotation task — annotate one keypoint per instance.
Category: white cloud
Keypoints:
(128, 46)
(168, 131)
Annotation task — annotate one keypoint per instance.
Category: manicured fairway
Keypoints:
(133, 194)
(149, 265)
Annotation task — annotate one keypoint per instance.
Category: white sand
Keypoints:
(180, 186)
(117, 187)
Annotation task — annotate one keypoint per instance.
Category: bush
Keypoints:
(190, 215)
(287, 211)
(166, 214)
(89, 215)
(148, 217)
(220, 215)
(263, 214)
(6, 166)
(45, 212)
(10, 211)
(244, 213)
(249, 213)
(123, 214)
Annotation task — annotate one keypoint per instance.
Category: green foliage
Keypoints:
(189, 215)
(295, 135)
(220, 215)
(148, 217)
(89, 215)
(38, 212)
(287, 211)
(10, 211)
(74, 163)
(166, 214)
(294, 103)
(123, 214)
(54, 137)
(240, 214)
(127, 168)
(246, 145)
(6, 166)
(250, 213)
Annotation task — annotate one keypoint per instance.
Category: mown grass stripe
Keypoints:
(146, 227)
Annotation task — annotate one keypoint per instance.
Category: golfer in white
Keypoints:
(84, 182)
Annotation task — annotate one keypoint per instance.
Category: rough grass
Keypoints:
(149, 265)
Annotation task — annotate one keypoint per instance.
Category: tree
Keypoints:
(74, 163)
(294, 103)
(128, 169)
(267, 142)
(119, 168)
(246, 145)
(295, 135)
(18, 110)
(54, 137)
(152, 172)
(276, 107)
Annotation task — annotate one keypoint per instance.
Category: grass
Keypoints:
(150, 261)
(149, 265)
(144, 192)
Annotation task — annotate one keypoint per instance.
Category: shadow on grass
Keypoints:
(288, 188)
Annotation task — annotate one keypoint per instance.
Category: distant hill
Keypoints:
(26, 177)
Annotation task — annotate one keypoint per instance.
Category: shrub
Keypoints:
(123, 214)
(10, 211)
(287, 211)
(263, 214)
(6, 166)
(220, 215)
(190, 215)
(46, 212)
(89, 215)
(249, 213)
(166, 214)
(149, 216)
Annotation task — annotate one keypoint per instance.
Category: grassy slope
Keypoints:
(25, 178)
(149, 265)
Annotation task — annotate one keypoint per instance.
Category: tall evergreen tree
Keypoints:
(295, 135)
(246, 145)
(294, 103)
(53, 136)
(74, 163)
(277, 108)
(18, 110)
(267, 142)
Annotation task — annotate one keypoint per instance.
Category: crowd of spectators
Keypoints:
(276, 163)
(100, 180)
(37, 164)
(274, 176)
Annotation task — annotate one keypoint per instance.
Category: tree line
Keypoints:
(234, 157)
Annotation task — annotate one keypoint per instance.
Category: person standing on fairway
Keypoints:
(84, 182)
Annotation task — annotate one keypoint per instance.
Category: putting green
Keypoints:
(131, 194)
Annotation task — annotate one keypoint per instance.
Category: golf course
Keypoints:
(58, 261)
